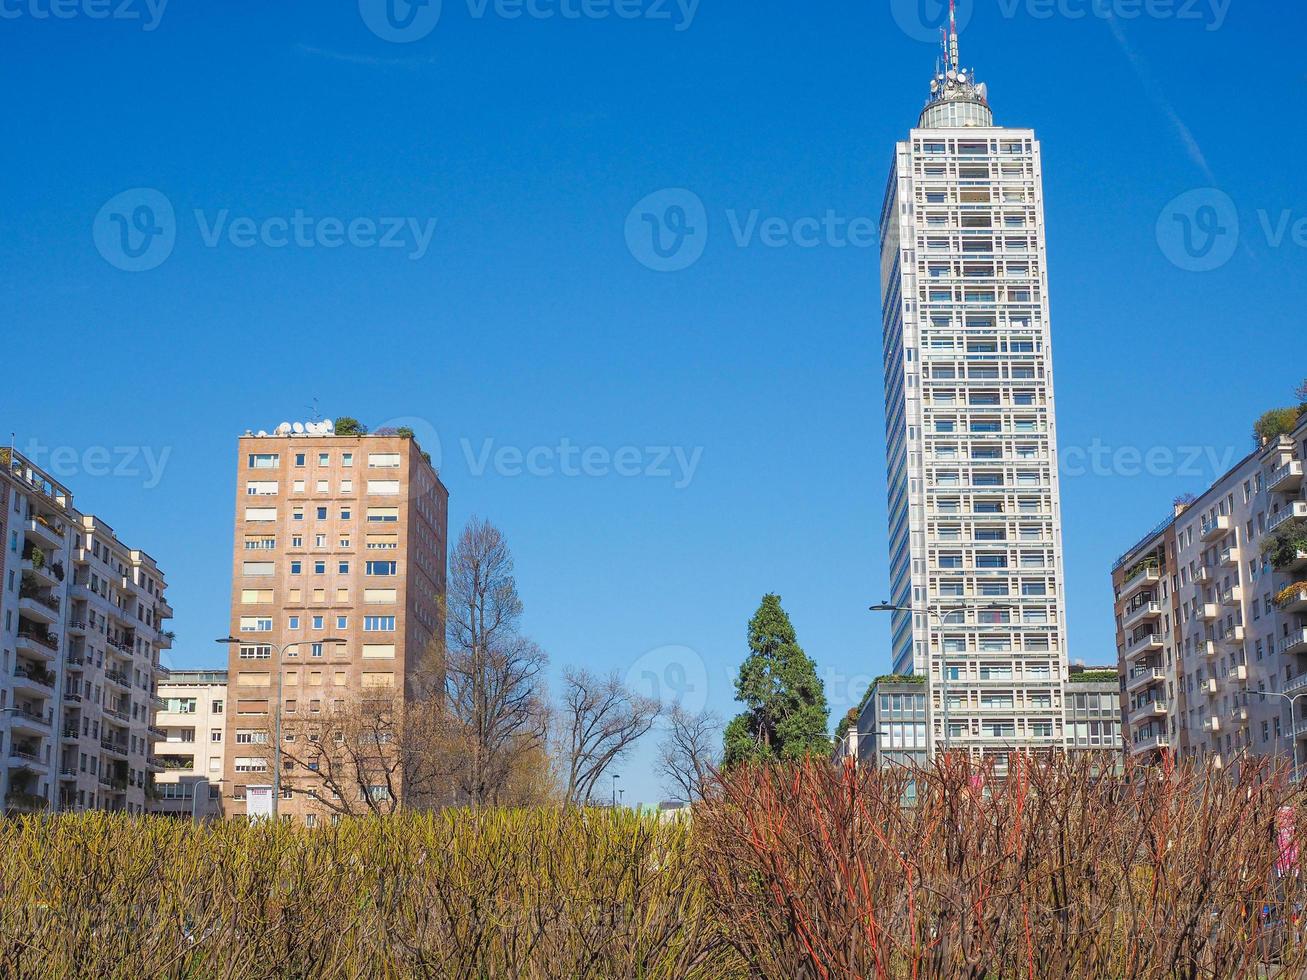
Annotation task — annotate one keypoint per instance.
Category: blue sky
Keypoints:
(525, 322)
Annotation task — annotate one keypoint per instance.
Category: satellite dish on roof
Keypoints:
(299, 428)
(283, 429)
(262, 434)
(329, 427)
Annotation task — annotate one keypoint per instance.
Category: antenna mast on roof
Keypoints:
(953, 33)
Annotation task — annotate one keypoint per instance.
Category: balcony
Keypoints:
(158, 734)
(1296, 683)
(1233, 596)
(1296, 564)
(1148, 575)
(1295, 642)
(1216, 527)
(38, 643)
(1144, 712)
(117, 748)
(118, 678)
(1146, 643)
(20, 801)
(1238, 674)
(38, 605)
(1297, 509)
(1238, 715)
(76, 627)
(32, 720)
(1140, 612)
(1286, 477)
(1153, 740)
(127, 584)
(1229, 556)
(1208, 687)
(1299, 728)
(165, 641)
(1142, 677)
(33, 679)
(1212, 724)
(40, 569)
(153, 763)
(29, 754)
(1293, 599)
(1207, 648)
(1203, 575)
(1234, 634)
(70, 734)
(162, 608)
(1209, 611)
(46, 532)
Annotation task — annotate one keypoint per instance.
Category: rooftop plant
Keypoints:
(349, 426)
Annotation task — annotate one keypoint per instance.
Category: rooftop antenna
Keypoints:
(953, 31)
(314, 414)
(943, 47)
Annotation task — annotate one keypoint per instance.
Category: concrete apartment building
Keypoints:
(974, 505)
(192, 717)
(1211, 612)
(337, 537)
(82, 631)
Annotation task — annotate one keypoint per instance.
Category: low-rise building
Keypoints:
(192, 718)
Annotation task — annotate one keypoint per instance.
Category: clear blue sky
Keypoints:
(528, 321)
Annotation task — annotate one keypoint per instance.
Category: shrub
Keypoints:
(1290, 593)
(1275, 423)
(1282, 547)
(348, 426)
(542, 893)
(1054, 871)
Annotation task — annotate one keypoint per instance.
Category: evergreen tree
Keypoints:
(785, 714)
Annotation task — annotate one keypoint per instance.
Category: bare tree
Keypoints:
(689, 753)
(373, 754)
(601, 721)
(493, 674)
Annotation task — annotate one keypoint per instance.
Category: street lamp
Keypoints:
(276, 736)
(939, 612)
(1291, 698)
(616, 777)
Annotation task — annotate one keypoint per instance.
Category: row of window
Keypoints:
(272, 461)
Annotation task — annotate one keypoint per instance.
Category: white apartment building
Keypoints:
(81, 629)
(1212, 617)
(974, 509)
(192, 717)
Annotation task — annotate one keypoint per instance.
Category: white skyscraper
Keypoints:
(974, 514)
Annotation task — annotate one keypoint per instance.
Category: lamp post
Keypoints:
(939, 612)
(276, 716)
(1291, 698)
(616, 777)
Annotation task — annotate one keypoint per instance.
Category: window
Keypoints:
(258, 568)
(378, 624)
(381, 568)
(264, 461)
(386, 488)
(382, 515)
(293, 623)
(254, 652)
(317, 622)
(256, 624)
(383, 460)
(260, 514)
(342, 567)
(182, 706)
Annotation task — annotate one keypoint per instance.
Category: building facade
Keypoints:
(83, 628)
(891, 725)
(337, 538)
(1212, 617)
(974, 505)
(192, 718)
(1092, 698)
